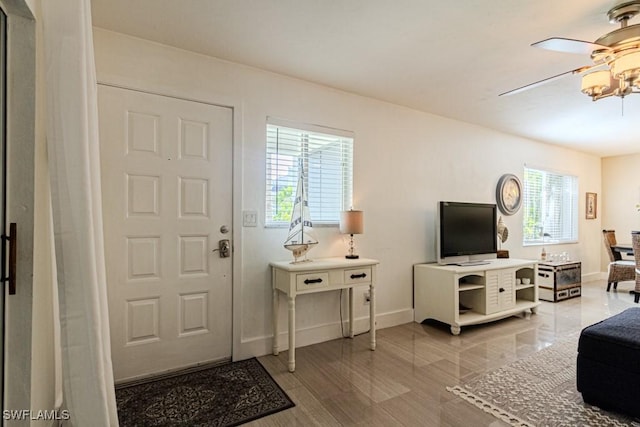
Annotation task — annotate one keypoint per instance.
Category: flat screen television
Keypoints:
(466, 233)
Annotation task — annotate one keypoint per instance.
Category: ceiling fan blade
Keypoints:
(560, 44)
(545, 81)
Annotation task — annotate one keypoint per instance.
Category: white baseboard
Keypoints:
(259, 346)
(590, 277)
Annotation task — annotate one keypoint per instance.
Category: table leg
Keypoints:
(372, 316)
(292, 334)
(351, 310)
(276, 310)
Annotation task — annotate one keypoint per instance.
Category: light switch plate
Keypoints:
(249, 218)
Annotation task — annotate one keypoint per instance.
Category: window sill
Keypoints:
(326, 225)
(550, 243)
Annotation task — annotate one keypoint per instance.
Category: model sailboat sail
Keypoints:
(301, 237)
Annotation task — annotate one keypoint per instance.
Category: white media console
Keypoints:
(470, 295)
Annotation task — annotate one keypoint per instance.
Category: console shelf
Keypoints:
(487, 292)
(464, 287)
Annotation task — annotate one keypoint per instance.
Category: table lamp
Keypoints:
(351, 222)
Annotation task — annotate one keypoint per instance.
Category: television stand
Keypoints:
(470, 295)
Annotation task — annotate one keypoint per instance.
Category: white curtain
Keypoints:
(72, 139)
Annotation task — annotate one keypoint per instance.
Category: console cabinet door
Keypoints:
(500, 290)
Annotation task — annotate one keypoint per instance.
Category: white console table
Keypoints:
(320, 275)
(488, 292)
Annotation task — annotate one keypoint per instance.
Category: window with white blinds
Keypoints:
(550, 207)
(327, 158)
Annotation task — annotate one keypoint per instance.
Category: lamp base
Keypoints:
(352, 256)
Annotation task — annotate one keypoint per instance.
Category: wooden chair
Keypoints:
(635, 241)
(619, 270)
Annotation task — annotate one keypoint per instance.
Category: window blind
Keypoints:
(327, 158)
(550, 207)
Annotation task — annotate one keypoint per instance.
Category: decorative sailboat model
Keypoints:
(301, 238)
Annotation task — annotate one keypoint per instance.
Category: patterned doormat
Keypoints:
(539, 390)
(223, 395)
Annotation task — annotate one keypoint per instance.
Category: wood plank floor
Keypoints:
(403, 382)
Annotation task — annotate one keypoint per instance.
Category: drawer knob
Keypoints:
(501, 290)
(359, 276)
(310, 281)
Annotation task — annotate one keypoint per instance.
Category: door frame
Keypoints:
(22, 131)
(236, 196)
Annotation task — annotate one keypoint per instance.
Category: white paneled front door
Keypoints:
(166, 188)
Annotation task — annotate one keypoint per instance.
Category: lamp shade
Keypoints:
(596, 83)
(626, 66)
(351, 222)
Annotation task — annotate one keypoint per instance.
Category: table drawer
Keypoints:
(312, 280)
(357, 275)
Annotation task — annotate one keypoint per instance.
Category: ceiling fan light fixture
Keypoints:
(596, 83)
(622, 79)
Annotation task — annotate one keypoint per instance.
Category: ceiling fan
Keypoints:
(616, 57)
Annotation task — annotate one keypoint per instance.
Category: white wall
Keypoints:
(404, 162)
(620, 194)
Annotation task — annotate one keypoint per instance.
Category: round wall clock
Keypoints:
(509, 194)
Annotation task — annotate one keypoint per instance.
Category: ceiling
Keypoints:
(450, 58)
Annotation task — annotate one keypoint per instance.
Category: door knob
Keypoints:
(224, 247)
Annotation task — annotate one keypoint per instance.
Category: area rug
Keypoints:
(223, 395)
(539, 390)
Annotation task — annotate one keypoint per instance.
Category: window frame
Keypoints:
(309, 134)
(565, 225)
